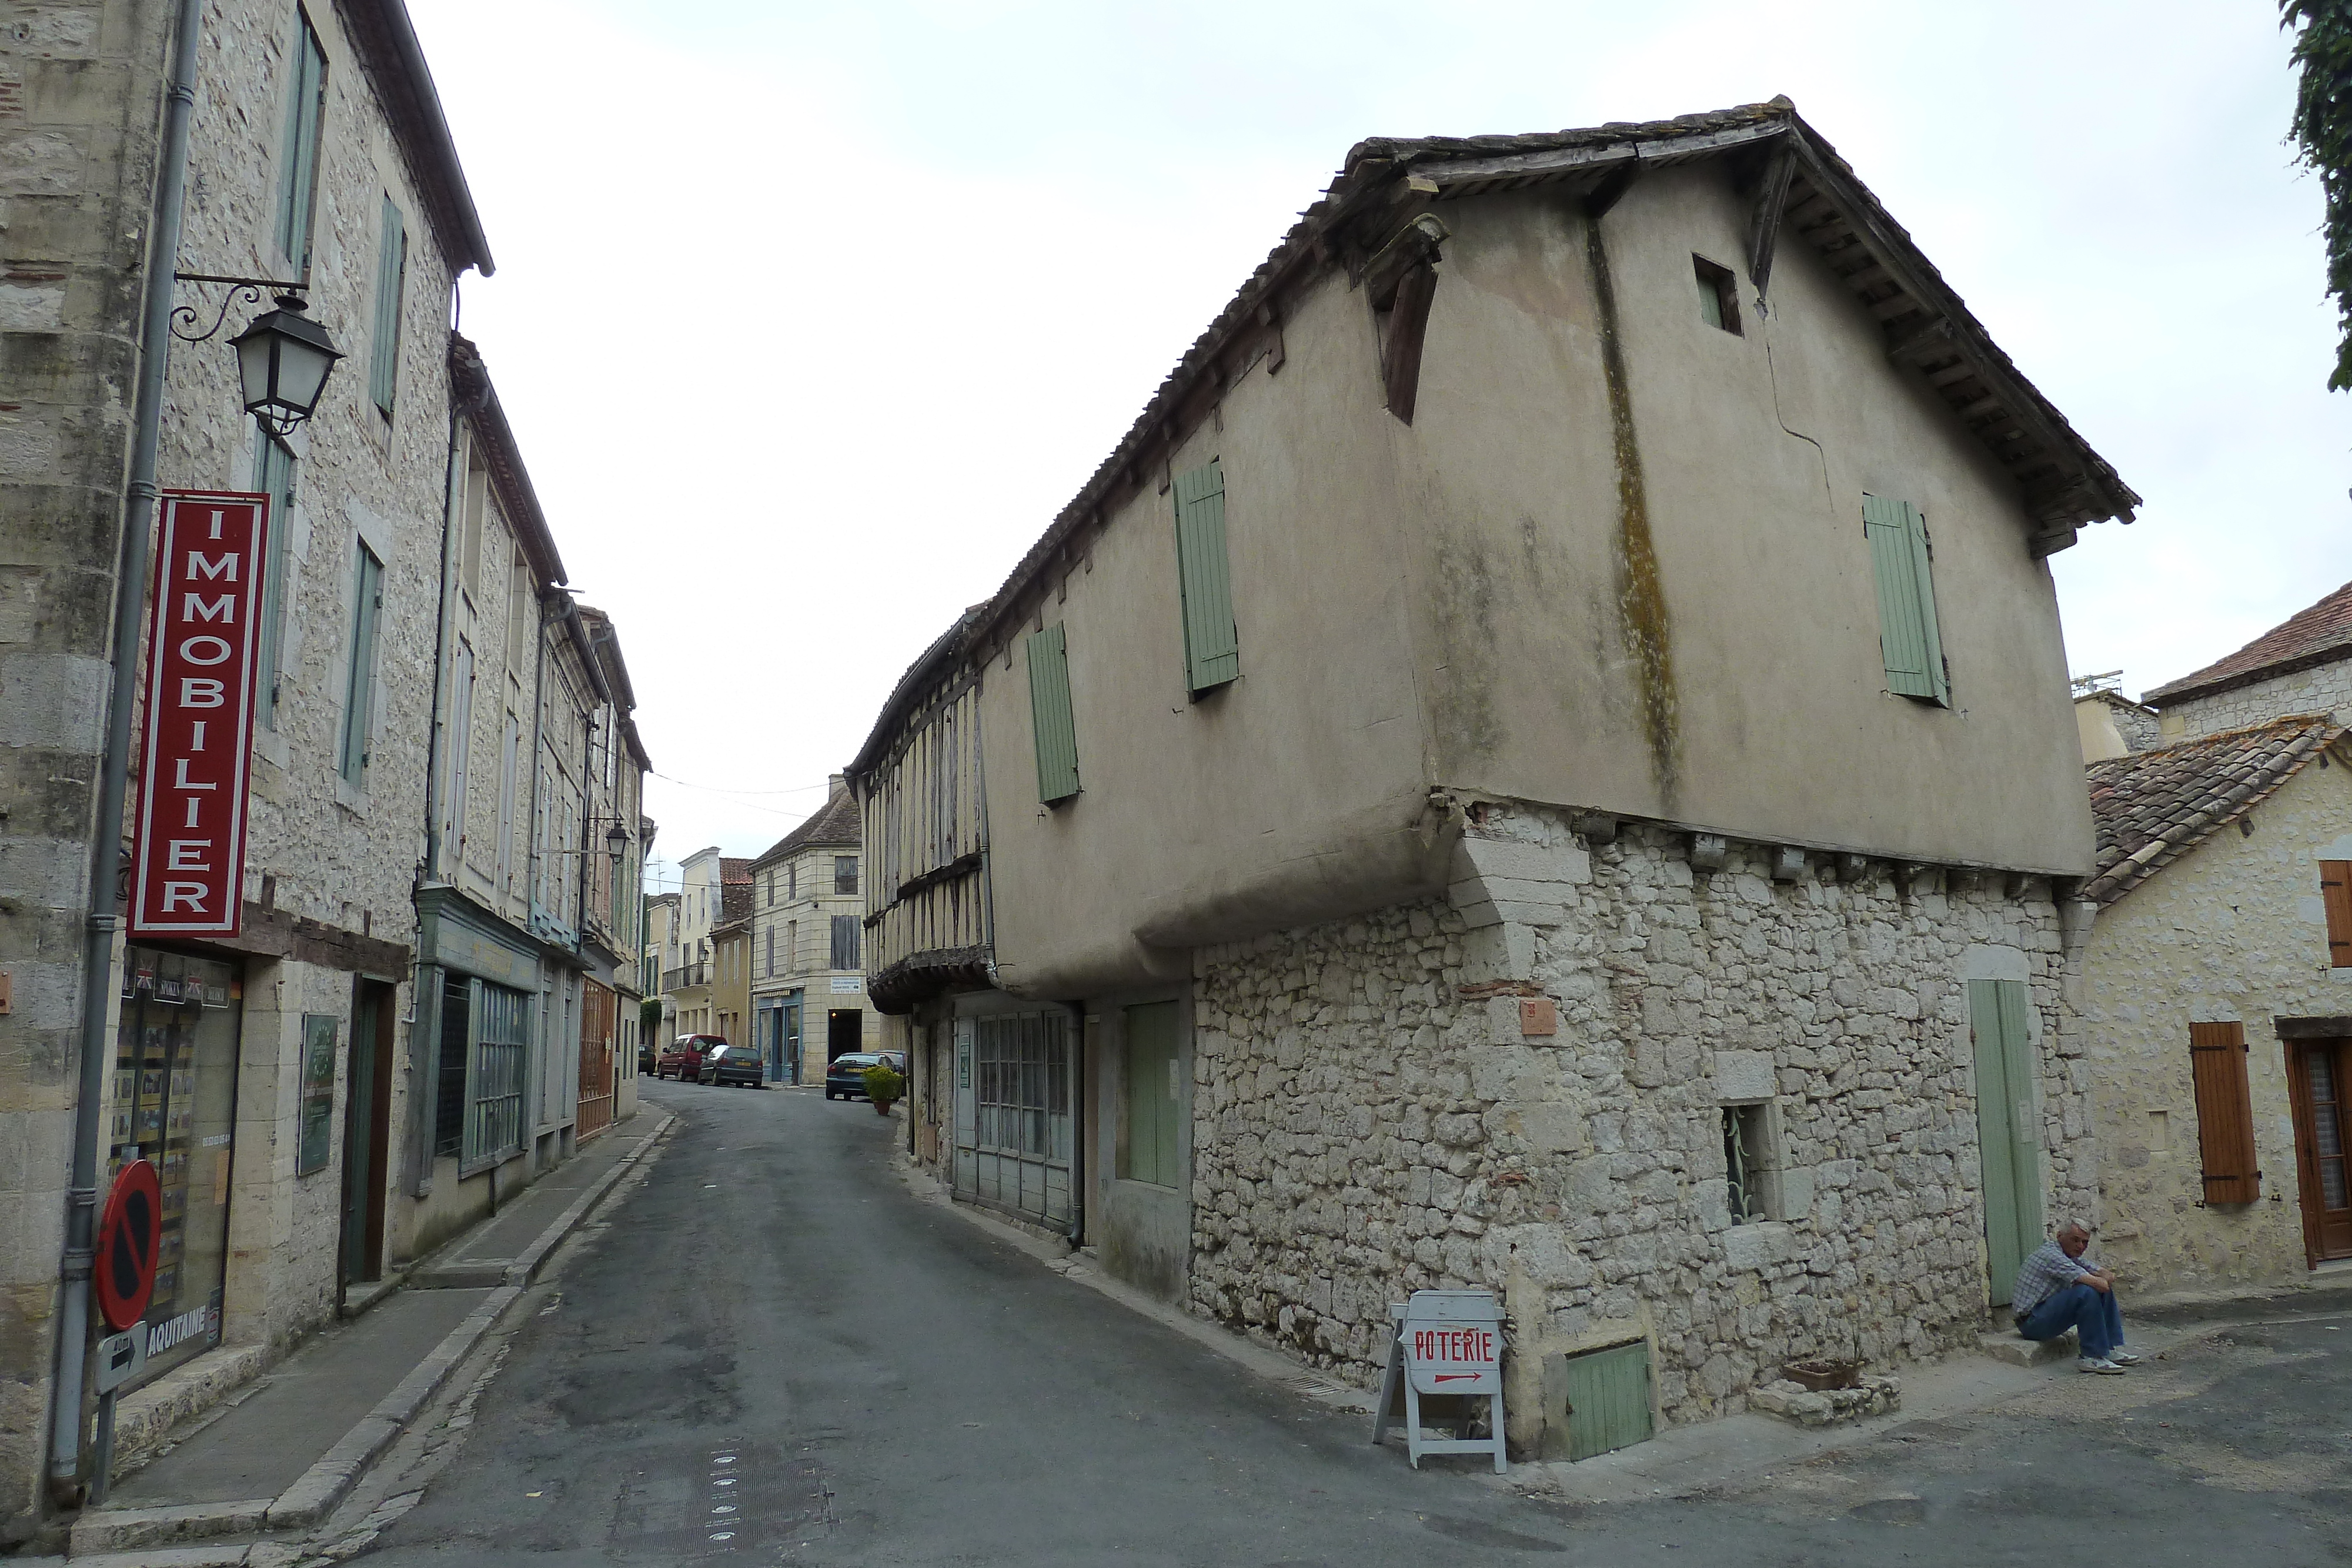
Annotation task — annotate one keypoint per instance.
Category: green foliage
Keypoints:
(2323, 135)
(649, 1018)
(882, 1084)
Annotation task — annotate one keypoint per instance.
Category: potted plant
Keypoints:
(883, 1087)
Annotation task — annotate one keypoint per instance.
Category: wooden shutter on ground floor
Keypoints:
(2225, 1112)
(2336, 895)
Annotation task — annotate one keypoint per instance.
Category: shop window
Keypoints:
(485, 1052)
(175, 1104)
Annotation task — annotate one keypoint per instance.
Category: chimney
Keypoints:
(835, 784)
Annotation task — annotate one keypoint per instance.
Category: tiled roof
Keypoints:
(735, 898)
(2153, 807)
(2318, 635)
(2063, 481)
(837, 821)
(734, 867)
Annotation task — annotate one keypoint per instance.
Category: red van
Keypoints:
(682, 1057)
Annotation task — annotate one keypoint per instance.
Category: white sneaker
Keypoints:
(2099, 1365)
(2125, 1358)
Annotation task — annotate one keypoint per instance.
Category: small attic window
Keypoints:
(1718, 296)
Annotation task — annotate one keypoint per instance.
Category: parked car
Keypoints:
(846, 1078)
(734, 1064)
(682, 1057)
(645, 1055)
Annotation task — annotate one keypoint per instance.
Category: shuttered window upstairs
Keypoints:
(1907, 633)
(2336, 897)
(391, 282)
(298, 154)
(2225, 1112)
(1050, 718)
(1211, 645)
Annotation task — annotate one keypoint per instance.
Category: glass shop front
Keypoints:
(174, 1103)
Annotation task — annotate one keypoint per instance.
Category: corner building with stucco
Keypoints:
(1542, 762)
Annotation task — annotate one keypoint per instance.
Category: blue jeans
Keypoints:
(2095, 1316)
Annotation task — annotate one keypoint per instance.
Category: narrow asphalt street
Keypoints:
(777, 1353)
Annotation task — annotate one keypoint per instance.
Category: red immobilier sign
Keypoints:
(202, 630)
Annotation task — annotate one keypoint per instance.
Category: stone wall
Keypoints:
(2232, 930)
(1375, 1111)
(2324, 688)
(80, 88)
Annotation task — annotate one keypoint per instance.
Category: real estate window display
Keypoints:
(174, 1105)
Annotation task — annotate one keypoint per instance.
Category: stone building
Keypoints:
(265, 1069)
(1540, 762)
(807, 933)
(2217, 1004)
(527, 907)
(713, 889)
(662, 957)
(2304, 665)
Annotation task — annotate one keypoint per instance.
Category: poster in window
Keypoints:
(318, 1091)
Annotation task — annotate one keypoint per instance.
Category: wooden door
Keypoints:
(598, 1014)
(2319, 1081)
(2008, 1131)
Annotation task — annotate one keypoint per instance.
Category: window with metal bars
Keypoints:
(1748, 1163)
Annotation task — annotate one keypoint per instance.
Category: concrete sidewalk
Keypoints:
(279, 1454)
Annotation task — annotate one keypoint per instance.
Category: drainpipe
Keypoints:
(114, 768)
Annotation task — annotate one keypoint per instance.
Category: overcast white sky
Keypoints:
(809, 317)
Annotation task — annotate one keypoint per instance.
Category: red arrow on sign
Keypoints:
(1455, 1376)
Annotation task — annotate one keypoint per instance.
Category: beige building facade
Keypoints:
(1540, 763)
(807, 943)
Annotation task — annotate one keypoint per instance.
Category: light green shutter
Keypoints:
(367, 610)
(1152, 1150)
(1908, 635)
(1049, 714)
(1602, 1399)
(391, 276)
(2007, 1134)
(298, 163)
(1213, 647)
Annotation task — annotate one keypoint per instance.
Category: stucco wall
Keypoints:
(1443, 604)
(1754, 451)
(1369, 1120)
(2233, 930)
(2324, 688)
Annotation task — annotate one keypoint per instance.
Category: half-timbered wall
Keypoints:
(925, 833)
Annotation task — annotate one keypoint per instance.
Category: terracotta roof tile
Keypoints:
(2314, 636)
(2152, 807)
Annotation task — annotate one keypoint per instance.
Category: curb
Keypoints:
(318, 1488)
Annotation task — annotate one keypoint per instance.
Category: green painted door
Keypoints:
(1601, 1399)
(2008, 1132)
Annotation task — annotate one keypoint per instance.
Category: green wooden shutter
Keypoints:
(1056, 730)
(298, 163)
(367, 610)
(1602, 1399)
(2008, 1136)
(390, 277)
(1212, 648)
(1908, 638)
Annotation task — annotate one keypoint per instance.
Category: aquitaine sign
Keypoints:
(203, 631)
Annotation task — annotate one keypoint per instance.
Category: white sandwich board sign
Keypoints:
(1445, 1342)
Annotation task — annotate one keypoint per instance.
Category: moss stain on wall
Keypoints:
(1641, 596)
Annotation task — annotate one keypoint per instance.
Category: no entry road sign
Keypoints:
(129, 1235)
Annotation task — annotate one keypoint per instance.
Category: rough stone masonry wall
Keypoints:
(2324, 688)
(1369, 1121)
(2233, 930)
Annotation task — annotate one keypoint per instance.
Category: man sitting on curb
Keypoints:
(2059, 1288)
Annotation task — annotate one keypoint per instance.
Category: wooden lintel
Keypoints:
(1771, 208)
(1411, 248)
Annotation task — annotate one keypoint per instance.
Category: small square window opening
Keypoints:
(1718, 296)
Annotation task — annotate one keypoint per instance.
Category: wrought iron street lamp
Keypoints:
(284, 358)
